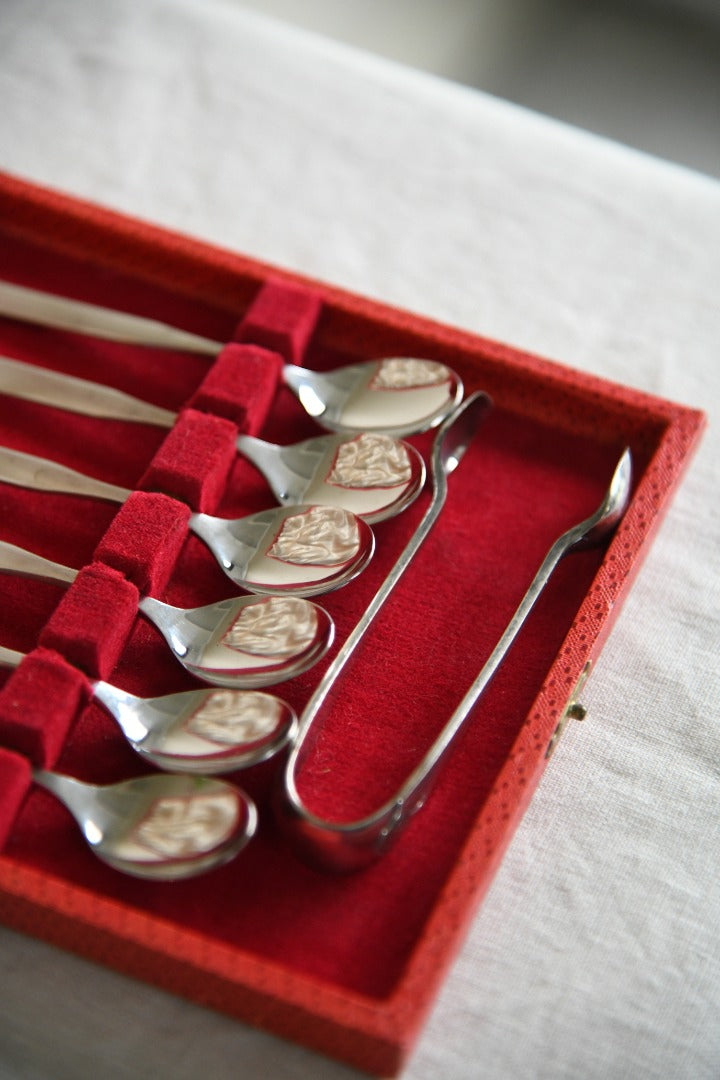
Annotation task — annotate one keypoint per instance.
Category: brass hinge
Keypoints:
(574, 710)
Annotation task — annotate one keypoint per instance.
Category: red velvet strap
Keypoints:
(38, 706)
(281, 317)
(194, 460)
(144, 540)
(15, 782)
(240, 386)
(93, 620)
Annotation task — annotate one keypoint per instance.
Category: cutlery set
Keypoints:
(330, 488)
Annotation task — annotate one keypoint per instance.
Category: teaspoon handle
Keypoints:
(73, 794)
(165, 618)
(287, 469)
(30, 305)
(15, 560)
(264, 455)
(10, 658)
(39, 474)
(54, 388)
(115, 700)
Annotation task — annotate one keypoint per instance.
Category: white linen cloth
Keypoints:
(596, 954)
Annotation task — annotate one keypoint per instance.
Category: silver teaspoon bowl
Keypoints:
(368, 473)
(163, 827)
(201, 731)
(244, 642)
(398, 396)
(304, 550)
(247, 641)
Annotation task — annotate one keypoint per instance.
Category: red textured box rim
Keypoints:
(370, 1034)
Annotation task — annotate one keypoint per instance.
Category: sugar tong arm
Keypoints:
(360, 839)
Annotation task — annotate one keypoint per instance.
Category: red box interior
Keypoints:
(347, 964)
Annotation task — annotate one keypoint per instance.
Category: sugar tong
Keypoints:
(355, 844)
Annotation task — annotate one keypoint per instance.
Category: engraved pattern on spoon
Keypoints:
(405, 372)
(226, 720)
(370, 460)
(178, 825)
(277, 626)
(320, 536)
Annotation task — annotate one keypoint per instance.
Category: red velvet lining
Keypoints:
(537, 467)
(281, 317)
(39, 704)
(194, 460)
(15, 782)
(522, 482)
(93, 620)
(240, 386)
(144, 540)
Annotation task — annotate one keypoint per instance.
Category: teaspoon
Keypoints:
(303, 550)
(397, 395)
(164, 827)
(245, 642)
(202, 731)
(369, 474)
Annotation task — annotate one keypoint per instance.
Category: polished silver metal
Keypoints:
(351, 845)
(296, 550)
(289, 550)
(61, 313)
(61, 391)
(369, 474)
(163, 827)
(245, 642)
(205, 731)
(396, 395)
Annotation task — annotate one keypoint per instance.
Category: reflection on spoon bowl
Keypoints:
(304, 550)
(247, 641)
(398, 395)
(244, 642)
(370, 473)
(163, 827)
(202, 731)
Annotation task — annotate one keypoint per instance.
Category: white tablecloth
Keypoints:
(596, 954)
